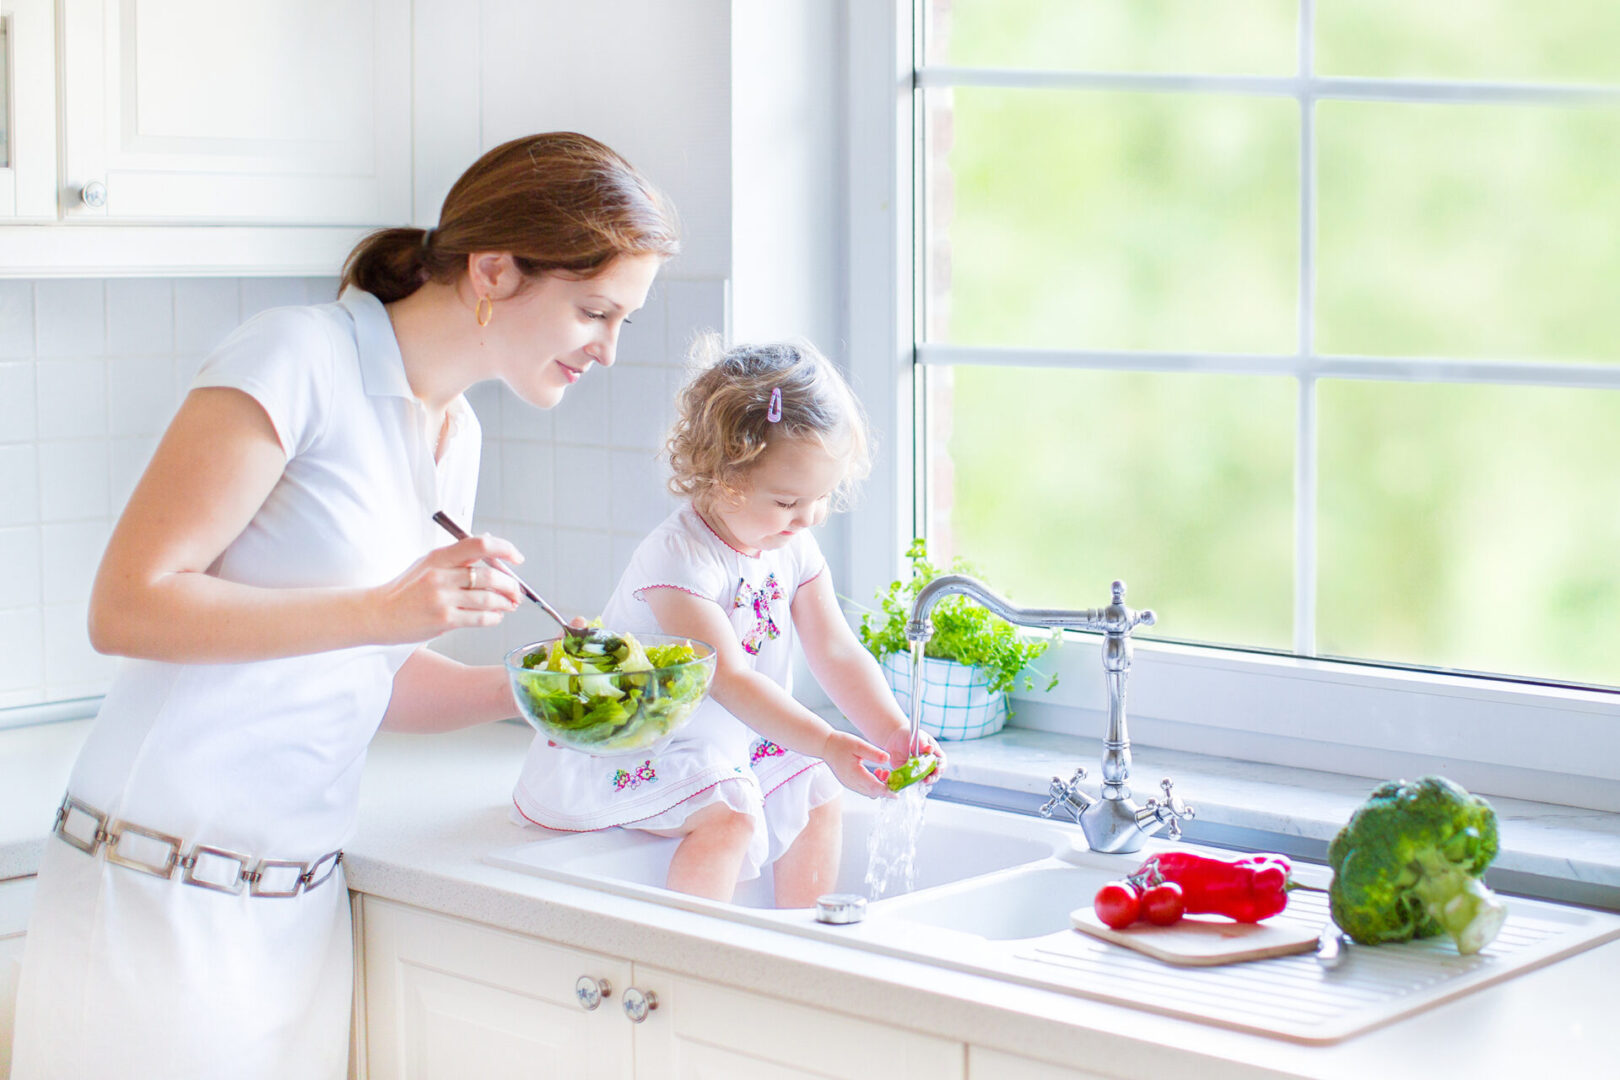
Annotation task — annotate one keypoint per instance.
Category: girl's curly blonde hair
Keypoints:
(724, 423)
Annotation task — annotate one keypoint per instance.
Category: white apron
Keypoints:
(129, 975)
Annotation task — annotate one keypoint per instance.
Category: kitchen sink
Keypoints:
(993, 894)
(957, 843)
(1026, 903)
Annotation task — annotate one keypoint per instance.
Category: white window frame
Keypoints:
(1513, 738)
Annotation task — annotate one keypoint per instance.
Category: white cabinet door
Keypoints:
(248, 112)
(702, 1031)
(986, 1064)
(16, 897)
(27, 110)
(446, 998)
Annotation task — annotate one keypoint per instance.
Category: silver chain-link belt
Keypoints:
(202, 865)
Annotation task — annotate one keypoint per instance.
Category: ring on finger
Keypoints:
(472, 577)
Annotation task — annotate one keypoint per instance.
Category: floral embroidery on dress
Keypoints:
(760, 599)
(628, 778)
(763, 748)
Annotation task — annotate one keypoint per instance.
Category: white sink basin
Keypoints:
(957, 843)
(1025, 903)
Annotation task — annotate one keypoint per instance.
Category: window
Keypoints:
(1298, 318)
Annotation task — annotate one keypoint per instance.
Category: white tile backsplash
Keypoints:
(526, 481)
(70, 318)
(71, 554)
(141, 395)
(262, 294)
(72, 397)
(92, 371)
(585, 413)
(19, 484)
(642, 407)
(16, 318)
(584, 487)
(205, 310)
(22, 661)
(140, 317)
(74, 480)
(17, 394)
(644, 339)
(20, 555)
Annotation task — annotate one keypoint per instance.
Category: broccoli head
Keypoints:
(1408, 864)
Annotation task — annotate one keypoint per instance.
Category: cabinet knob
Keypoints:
(590, 992)
(638, 1003)
(94, 194)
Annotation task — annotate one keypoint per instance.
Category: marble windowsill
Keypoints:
(1541, 842)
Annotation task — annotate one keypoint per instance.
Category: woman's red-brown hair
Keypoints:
(559, 201)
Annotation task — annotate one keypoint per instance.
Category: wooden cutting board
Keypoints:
(1203, 940)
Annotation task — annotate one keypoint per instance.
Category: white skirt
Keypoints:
(131, 976)
(659, 789)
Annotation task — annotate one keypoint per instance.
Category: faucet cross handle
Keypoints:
(1132, 619)
(1069, 796)
(1171, 811)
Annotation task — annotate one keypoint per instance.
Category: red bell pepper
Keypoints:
(1247, 889)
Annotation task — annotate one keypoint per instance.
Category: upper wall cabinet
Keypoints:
(28, 111)
(251, 118)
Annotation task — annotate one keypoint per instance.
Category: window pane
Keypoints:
(1468, 231)
(1471, 527)
(1568, 41)
(1249, 37)
(1113, 221)
(1054, 483)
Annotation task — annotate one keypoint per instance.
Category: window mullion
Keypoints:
(1305, 456)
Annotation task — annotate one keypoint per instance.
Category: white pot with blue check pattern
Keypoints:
(957, 702)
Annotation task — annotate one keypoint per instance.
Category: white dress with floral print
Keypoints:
(715, 757)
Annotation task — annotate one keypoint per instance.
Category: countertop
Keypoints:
(431, 805)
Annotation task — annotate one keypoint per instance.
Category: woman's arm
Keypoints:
(849, 674)
(759, 702)
(216, 464)
(434, 693)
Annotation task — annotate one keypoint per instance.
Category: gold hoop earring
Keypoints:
(485, 310)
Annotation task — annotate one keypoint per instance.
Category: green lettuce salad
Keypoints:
(609, 692)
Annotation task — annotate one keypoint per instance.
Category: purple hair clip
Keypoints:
(774, 413)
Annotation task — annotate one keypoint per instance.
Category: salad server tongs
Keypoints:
(581, 632)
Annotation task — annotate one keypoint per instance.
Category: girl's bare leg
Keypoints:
(809, 867)
(711, 852)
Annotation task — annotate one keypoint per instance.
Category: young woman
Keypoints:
(272, 581)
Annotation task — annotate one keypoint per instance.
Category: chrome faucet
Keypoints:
(1112, 821)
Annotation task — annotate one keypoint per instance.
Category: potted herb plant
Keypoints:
(972, 659)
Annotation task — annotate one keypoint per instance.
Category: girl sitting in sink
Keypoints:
(768, 440)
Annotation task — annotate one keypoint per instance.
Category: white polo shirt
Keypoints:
(265, 757)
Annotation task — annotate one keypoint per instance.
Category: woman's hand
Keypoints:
(446, 589)
(898, 747)
(846, 754)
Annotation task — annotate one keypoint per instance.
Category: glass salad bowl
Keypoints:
(610, 693)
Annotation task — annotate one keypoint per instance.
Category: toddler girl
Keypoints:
(769, 438)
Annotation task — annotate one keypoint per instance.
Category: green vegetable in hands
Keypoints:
(1409, 864)
(917, 767)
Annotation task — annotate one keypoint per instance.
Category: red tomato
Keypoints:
(1162, 904)
(1117, 904)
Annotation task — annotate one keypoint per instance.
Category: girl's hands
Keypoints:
(846, 754)
(448, 588)
(898, 747)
